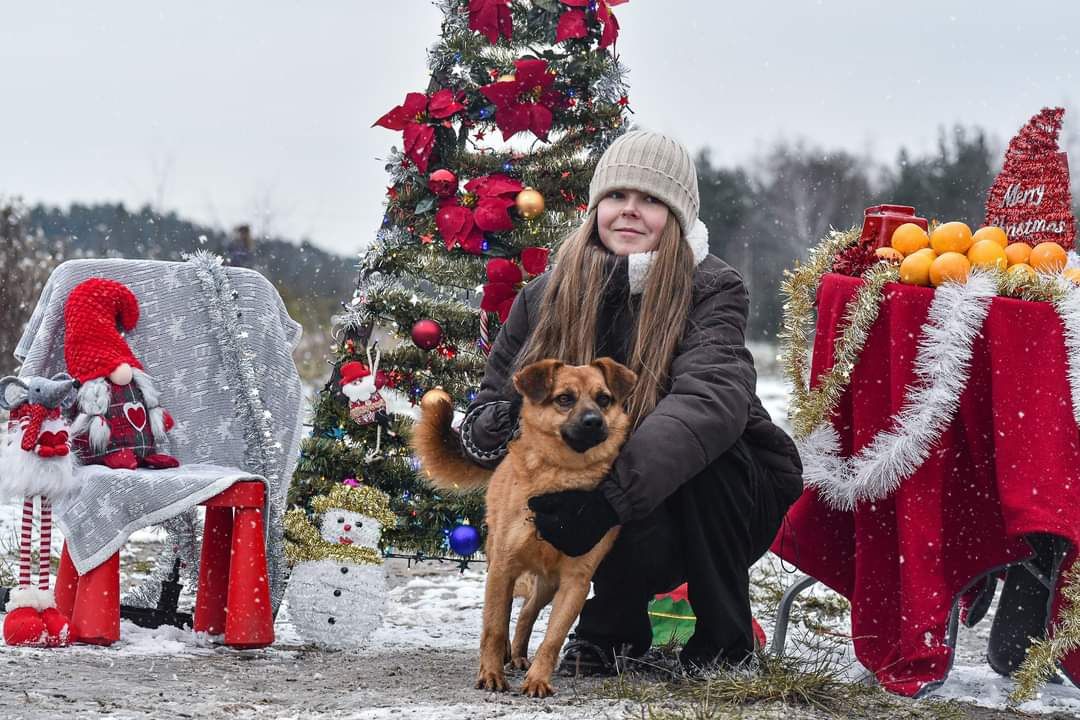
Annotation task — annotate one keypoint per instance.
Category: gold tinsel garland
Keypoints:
(810, 407)
(1042, 657)
(303, 542)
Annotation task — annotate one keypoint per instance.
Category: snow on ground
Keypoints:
(419, 664)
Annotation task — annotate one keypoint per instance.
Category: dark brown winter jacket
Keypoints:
(711, 401)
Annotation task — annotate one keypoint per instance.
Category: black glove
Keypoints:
(573, 520)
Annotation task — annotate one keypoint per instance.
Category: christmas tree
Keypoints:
(494, 170)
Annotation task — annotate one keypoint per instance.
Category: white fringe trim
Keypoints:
(942, 364)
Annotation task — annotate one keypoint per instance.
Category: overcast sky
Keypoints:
(227, 111)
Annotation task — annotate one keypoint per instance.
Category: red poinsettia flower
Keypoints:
(494, 197)
(505, 280)
(527, 102)
(463, 227)
(573, 24)
(412, 118)
(491, 18)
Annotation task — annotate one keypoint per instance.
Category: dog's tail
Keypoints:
(436, 445)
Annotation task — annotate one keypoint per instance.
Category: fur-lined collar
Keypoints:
(639, 263)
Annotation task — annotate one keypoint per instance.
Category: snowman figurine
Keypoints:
(337, 591)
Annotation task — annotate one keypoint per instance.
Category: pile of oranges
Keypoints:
(952, 250)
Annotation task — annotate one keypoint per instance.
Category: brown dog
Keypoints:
(572, 426)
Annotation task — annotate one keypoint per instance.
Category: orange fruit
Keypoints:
(1048, 257)
(909, 237)
(949, 267)
(991, 232)
(889, 254)
(915, 269)
(1022, 269)
(1072, 274)
(951, 237)
(988, 254)
(1017, 252)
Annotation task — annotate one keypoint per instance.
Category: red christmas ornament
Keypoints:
(443, 183)
(427, 334)
(1030, 198)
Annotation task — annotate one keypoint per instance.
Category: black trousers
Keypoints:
(707, 534)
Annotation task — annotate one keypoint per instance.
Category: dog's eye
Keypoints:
(564, 400)
(341, 519)
(603, 400)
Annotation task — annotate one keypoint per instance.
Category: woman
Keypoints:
(704, 480)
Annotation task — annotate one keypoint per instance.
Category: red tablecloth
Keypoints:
(1007, 466)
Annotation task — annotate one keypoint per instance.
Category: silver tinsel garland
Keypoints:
(257, 422)
(184, 535)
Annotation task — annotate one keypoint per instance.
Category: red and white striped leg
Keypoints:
(24, 540)
(45, 543)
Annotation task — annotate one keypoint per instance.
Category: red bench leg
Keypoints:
(210, 602)
(95, 617)
(250, 622)
(67, 583)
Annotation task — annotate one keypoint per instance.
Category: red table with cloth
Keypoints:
(1008, 465)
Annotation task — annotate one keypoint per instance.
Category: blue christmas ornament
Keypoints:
(485, 112)
(507, 166)
(485, 246)
(471, 395)
(414, 463)
(464, 540)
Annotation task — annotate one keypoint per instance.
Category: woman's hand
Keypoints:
(573, 520)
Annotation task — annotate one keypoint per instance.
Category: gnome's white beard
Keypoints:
(359, 391)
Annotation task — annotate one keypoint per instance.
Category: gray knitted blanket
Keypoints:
(187, 348)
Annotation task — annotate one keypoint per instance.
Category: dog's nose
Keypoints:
(347, 527)
(592, 420)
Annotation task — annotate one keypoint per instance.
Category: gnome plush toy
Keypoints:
(35, 461)
(119, 422)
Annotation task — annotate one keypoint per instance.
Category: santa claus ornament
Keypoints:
(361, 383)
(119, 421)
(36, 460)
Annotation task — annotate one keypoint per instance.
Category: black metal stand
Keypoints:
(166, 611)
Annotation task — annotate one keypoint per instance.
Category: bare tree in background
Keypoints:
(27, 259)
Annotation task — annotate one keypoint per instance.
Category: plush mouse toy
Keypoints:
(120, 422)
(35, 459)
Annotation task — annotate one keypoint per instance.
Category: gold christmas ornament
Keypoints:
(530, 203)
(507, 78)
(433, 397)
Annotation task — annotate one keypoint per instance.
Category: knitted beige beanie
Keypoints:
(650, 163)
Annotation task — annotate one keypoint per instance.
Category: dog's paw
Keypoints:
(492, 680)
(537, 687)
(520, 663)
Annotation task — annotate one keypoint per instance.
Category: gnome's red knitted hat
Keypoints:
(353, 370)
(93, 346)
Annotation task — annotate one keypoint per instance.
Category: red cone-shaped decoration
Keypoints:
(1030, 198)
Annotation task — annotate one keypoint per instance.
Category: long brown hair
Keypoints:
(566, 326)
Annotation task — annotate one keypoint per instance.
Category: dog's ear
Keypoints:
(619, 378)
(536, 381)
